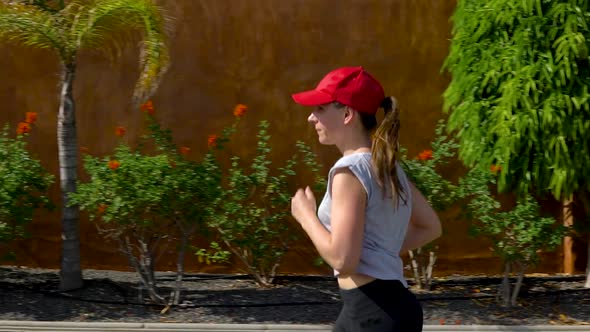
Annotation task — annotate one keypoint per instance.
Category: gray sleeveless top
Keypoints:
(385, 223)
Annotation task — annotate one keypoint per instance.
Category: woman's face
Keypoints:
(328, 121)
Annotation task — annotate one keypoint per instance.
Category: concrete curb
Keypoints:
(26, 326)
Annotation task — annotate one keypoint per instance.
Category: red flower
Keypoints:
(114, 164)
(425, 155)
(240, 110)
(185, 150)
(101, 208)
(23, 128)
(212, 141)
(148, 107)
(495, 168)
(30, 117)
(120, 131)
(172, 164)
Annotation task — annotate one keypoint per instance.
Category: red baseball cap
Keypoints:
(351, 86)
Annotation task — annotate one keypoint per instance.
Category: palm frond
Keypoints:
(31, 26)
(113, 22)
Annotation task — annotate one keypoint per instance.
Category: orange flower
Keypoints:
(120, 131)
(212, 141)
(84, 149)
(495, 168)
(114, 164)
(23, 128)
(240, 110)
(185, 150)
(425, 155)
(148, 107)
(101, 208)
(30, 117)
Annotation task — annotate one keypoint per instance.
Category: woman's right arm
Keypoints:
(424, 225)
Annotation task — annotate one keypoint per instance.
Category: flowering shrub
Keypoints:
(252, 212)
(424, 172)
(23, 183)
(145, 201)
(517, 235)
(240, 110)
(120, 131)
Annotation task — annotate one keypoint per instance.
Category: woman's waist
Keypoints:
(355, 280)
(367, 272)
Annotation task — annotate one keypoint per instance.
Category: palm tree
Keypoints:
(68, 27)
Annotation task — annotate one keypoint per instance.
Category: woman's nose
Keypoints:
(311, 118)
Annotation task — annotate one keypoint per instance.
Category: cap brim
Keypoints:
(312, 98)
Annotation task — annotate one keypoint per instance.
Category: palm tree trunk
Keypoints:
(67, 142)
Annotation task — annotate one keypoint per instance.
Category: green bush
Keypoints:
(517, 234)
(147, 200)
(23, 186)
(252, 214)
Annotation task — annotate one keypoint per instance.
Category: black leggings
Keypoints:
(379, 306)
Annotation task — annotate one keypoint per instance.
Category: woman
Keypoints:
(371, 212)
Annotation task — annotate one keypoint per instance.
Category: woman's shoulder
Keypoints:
(359, 164)
(362, 158)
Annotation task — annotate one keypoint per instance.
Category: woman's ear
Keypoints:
(348, 115)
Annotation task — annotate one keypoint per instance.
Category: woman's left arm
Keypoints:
(340, 248)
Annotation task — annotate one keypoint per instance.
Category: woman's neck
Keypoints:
(356, 145)
(359, 150)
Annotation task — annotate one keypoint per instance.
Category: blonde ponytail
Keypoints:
(385, 149)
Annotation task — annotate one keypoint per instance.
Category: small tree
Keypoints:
(517, 234)
(67, 27)
(252, 213)
(124, 193)
(191, 189)
(519, 95)
(143, 201)
(23, 184)
(440, 193)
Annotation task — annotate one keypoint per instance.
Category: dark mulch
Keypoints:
(108, 296)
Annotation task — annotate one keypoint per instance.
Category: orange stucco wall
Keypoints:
(226, 52)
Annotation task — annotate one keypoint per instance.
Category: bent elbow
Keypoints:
(346, 266)
(347, 270)
(437, 230)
